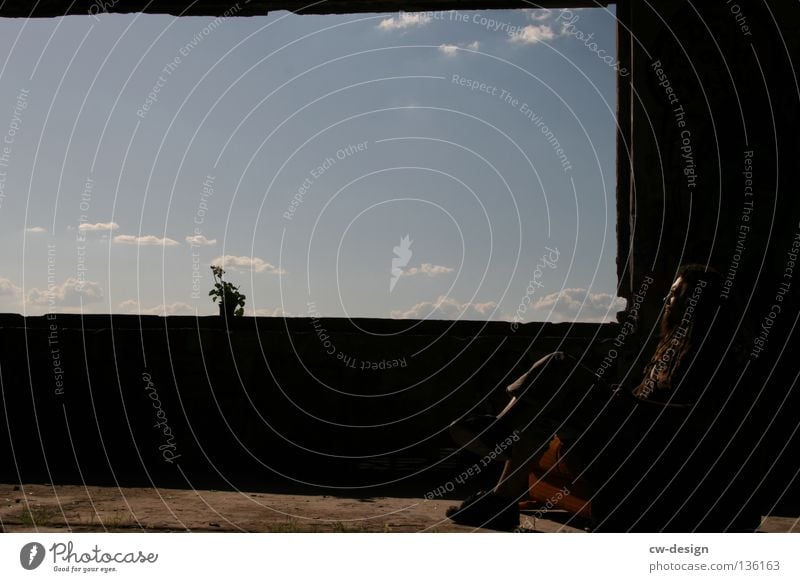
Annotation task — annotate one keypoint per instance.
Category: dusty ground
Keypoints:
(40, 507)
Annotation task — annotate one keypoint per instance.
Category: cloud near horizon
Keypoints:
(71, 293)
(576, 304)
(8, 289)
(176, 308)
(267, 312)
(446, 308)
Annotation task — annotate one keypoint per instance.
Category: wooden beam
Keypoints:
(53, 8)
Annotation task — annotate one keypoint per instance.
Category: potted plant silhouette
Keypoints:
(231, 302)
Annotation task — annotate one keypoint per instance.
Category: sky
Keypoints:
(450, 165)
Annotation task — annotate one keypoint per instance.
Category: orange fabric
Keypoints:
(553, 485)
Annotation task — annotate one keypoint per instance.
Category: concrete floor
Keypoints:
(47, 508)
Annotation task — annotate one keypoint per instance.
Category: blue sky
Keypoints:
(299, 152)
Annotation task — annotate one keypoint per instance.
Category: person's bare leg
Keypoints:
(513, 482)
(532, 441)
(550, 375)
(533, 414)
(509, 407)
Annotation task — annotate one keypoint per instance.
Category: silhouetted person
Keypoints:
(682, 387)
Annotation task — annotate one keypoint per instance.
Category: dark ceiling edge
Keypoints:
(55, 8)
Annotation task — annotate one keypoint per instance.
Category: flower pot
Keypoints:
(227, 309)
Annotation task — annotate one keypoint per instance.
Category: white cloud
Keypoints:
(36, 229)
(10, 296)
(176, 308)
(447, 308)
(580, 305)
(70, 293)
(233, 263)
(532, 34)
(97, 226)
(451, 50)
(404, 20)
(266, 312)
(427, 269)
(129, 306)
(8, 289)
(538, 15)
(200, 241)
(448, 49)
(147, 240)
